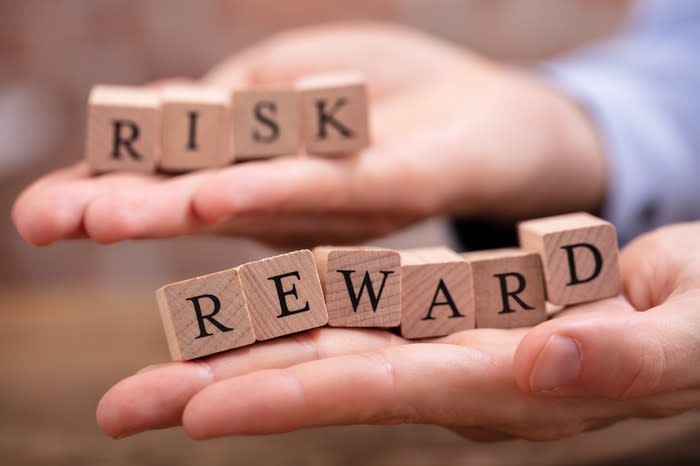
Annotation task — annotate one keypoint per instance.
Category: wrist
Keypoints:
(552, 159)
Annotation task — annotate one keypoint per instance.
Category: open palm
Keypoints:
(592, 365)
(451, 134)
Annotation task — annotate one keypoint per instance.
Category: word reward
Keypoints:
(430, 292)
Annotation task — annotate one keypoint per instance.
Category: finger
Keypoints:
(481, 435)
(282, 59)
(621, 354)
(52, 207)
(420, 383)
(614, 352)
(438, 383)
(156, 397)
(306, 230)
(147, 207)
(272, 186)
(406, 384)
(660, 264)
(491, 340)
(372, 182)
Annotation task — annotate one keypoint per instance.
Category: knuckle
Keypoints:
(394, 409)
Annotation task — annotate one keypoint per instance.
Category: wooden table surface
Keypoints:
(61, 349)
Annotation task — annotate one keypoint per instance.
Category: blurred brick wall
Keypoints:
(52, 52)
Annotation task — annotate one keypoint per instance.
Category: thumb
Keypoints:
(283, 58)
(612, 351)
(608, 349)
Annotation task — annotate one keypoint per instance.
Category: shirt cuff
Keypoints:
(647, 171)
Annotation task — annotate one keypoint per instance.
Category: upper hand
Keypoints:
(452, 134)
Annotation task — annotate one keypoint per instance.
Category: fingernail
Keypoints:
(558, 364)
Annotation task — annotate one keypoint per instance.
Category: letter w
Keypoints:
(366, 283)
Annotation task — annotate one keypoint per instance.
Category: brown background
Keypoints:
(77, 316)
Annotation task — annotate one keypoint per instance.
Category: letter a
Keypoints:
(447, 302)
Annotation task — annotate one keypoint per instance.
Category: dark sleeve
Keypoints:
(477, 234)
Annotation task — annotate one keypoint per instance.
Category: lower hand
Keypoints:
(594, 364)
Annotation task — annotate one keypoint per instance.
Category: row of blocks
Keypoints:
(428, 292)
(180, 128)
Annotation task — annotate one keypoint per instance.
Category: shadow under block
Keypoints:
(508, 288)
(266, 123)
(579, 255)
(205, 315)
(196, 128)
(334, 113)
(283, 294)
(123, 129)
(362, 286)
(436, 293)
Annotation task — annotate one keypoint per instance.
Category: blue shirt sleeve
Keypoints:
(642, 89)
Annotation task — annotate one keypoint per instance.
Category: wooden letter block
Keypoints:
(205, 315)
(579, 255)
(266, 123)
(334, 113)
(123, 129)
(436, 293)
(196, 123)
(508, 288)
(284, 294)
(362, 286)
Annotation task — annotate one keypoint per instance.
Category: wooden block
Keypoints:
(284, 294)
(196, 122)
(579, 253)
(436, 293)
(205, 315)
(334, 113)
(508, 288)
(123, 129)
(266, 123)
(362, 286)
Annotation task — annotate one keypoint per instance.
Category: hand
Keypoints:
(589, 367)
(452, 135)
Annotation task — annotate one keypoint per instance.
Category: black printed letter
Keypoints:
(448, 301)
(267, 121)
(326, 118)
(366, 283)
(505, 294)
(210, 317)
(192, 139)
(282, 294)
(120, 141)
(597, 257)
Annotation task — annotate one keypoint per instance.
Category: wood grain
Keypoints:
(436, 293)
(284, 294)
(373, 296)
(123, 129)
(342, 98)
(196, 128)
(205, 315)
(508, 288)
(266, 123)
(579, 254)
